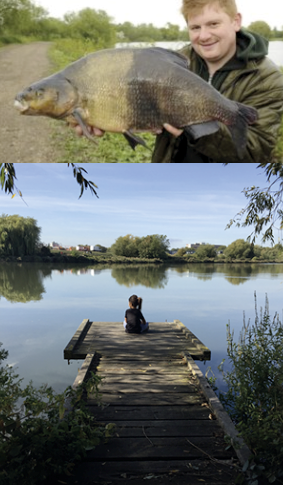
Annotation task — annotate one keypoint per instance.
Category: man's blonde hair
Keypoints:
(193, 7)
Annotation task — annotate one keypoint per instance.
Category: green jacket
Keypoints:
(250, 78)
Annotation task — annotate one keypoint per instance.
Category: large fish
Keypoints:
(130, 90)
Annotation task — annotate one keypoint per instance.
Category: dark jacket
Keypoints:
(134, 317)
(250, 78)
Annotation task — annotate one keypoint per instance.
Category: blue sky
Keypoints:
(186, 202)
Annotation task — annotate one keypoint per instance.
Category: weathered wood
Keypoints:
(150, 383)
(83, 370)
(173, 412)
(164, 425)
(194, 340)
(111, 337)
(163, 428)
(162, 448)
(80, 334)
(137, 367)
(149, 398)
(161, 472)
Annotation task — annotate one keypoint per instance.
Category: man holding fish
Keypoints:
(219, 100)
(234, 62)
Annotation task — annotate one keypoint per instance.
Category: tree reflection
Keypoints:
(22, 282)
(234, 273)
(150, 276)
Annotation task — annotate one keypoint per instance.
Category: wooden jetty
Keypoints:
(170, 425)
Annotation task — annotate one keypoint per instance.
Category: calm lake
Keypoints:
(42, 305)
(275, 48)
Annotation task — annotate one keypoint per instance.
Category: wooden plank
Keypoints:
(83, 370)
(141, 388)
(163, 428)
(118, 399)
(109, 337)
(173, 412)
(150, 384)
(77, 339)
(161, 414)
(133, 368)
(150, 380)
(131, 354)
(161, 472)
(194, 340)
(162, 448)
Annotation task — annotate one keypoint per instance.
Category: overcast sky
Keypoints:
(186, 202)
(159, 12)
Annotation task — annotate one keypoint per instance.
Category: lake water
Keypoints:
(41, 306)
(275, 48)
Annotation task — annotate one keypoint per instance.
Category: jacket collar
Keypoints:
(250, 46)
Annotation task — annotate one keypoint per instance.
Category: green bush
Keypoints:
(38, 437)
(254, 398)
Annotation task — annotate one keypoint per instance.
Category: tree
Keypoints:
(6, 7)
(239, 249)
(93, 25)
(21, 17)
(264, 209)
(180, 252)
(260, 27)
(8, 177)
(171, 32)
(19, 236)
(206, 251)
(126, 246)
(154, 246)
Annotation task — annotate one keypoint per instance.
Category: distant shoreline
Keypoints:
(110, 260)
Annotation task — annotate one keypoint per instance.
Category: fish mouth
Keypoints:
(22, 106)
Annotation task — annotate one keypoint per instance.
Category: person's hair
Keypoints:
(136, 301)
(193, 7)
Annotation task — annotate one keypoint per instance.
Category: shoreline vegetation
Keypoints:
(20, 242)
(104, 259)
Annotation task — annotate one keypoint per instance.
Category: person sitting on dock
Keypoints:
(134, 319)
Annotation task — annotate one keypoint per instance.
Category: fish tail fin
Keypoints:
(246, 116)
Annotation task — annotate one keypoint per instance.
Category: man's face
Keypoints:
(213, 35)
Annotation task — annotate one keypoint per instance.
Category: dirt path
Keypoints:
(23, 139)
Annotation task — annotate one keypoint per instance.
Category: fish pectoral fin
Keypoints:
(134, 140)
(78, 117)
(201, 129)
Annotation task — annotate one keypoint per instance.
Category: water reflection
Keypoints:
(25, 282)
(234, 273)
(147, 275)
(22, 282)
(44, 304)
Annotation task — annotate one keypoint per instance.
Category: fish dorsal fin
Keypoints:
(201, 129)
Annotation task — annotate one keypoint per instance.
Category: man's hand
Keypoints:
(171, 129)
(92, 130)
(97, 132)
